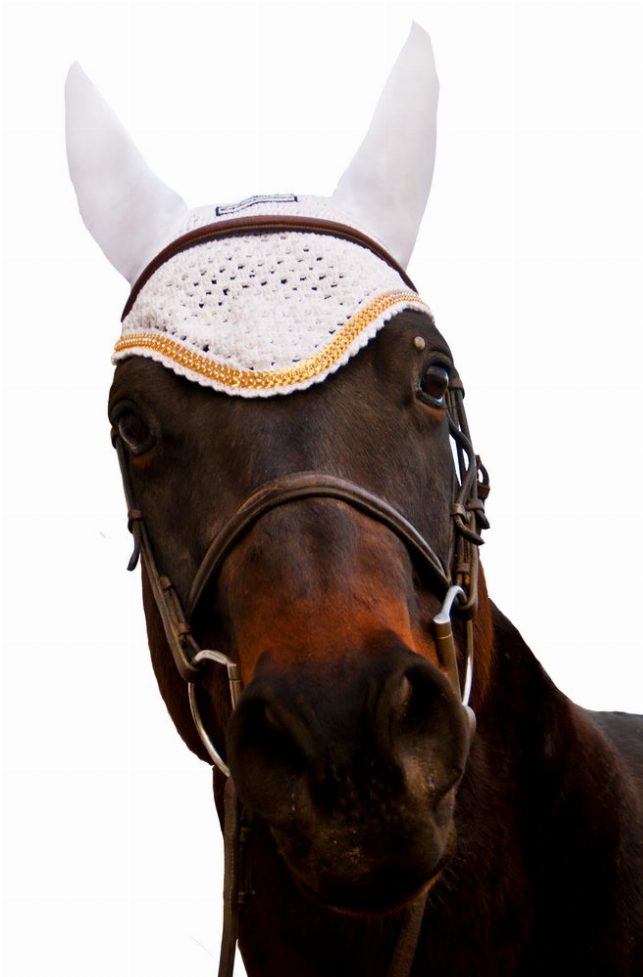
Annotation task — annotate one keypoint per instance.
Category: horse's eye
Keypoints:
(433, 385)
(135, 432)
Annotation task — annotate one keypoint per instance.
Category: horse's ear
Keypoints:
(387, 184)
(125, 207)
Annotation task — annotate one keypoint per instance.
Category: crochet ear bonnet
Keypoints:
(276, 292)
(268, 311)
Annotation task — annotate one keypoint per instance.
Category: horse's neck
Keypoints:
(556, 750)
(570, 805)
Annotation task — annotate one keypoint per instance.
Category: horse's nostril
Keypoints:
(401, 698)
(272, 721)
(412, 704)
(420, 729)
(266, 734)
(416, 699)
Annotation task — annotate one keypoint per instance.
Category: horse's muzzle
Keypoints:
(354, 765)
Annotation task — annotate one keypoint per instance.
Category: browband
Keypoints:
(261, 224)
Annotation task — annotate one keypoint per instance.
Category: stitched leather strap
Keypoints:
(230, 880)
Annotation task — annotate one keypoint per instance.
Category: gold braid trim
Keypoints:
(199, 363)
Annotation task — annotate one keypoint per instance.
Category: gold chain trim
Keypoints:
(201, 364)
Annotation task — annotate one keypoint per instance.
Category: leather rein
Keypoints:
(455, 582)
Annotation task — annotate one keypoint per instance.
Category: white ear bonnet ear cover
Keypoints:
(258, 314)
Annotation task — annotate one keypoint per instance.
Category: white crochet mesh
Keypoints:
(264, 313)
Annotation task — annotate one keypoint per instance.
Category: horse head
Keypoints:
(302, 486)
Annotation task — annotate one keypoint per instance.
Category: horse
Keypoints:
(401, 787)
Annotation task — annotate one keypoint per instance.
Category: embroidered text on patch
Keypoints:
(229, 210)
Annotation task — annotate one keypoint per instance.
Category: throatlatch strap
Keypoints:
(407, 941)
(230, 879)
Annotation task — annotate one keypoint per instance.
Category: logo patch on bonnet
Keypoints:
(229, 210)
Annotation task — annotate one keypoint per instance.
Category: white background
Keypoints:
(530, 256)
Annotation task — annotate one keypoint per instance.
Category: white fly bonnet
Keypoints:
(274, 293)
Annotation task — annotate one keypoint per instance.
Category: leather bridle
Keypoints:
(455, 583)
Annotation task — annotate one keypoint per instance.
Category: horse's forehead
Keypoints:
(259, 313)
